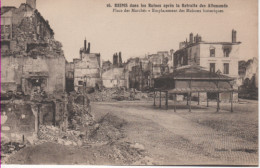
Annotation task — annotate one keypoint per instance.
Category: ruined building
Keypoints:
(69, 76)
(106, 65)
(115, 75)
(248, 72)
(30, 56)
(32, 72)
(139, 73)
(248, 79)
(87, 69)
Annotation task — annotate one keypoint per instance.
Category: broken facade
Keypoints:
(140, 73)
(69, 76)
(115, 77)
(30, 56)
(32, 72)
(106, 65)
(248, 72)
(248, 79)
(87, 69)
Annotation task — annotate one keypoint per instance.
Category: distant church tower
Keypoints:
(32, 3)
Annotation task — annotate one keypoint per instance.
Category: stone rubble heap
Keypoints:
(55, 135)
(79, 112)
(117, 94)
(8, 149)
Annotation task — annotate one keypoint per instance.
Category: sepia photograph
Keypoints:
(129, 82)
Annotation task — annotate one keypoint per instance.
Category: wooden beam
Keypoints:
(207, 100)
(190, 102)
(166, 102)
(160, 105)
(175, 100)
(190, 97)
(218, 102)
(154, 98)
(231, 100)
(217, 98)
(198, 98)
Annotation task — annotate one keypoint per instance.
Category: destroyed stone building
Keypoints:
(140, 74)
(161, 63)
(115, 75)
(106, 65)
(30, 55)
(87, 69)
(69, 76)
(32, 73)
(248, 79)
(248, 71)
(142, 71)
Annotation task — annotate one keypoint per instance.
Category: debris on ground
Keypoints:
(124, 152)
(107, 129)
(117, 94)
(79, 111)
(105, 137)
(8, 149)
(55, 135)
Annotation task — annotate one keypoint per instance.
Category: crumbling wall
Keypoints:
(17, 120)
(115, 77)
(14, 69)
(32, 49)
(79, 111)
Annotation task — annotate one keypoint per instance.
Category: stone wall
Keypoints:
(31, 51)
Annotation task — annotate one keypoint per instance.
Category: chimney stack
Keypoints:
(115, 60)
(85, 45)
(32, 3)
(120, 59)
(191, 38)
(88, 51)
(234, 36)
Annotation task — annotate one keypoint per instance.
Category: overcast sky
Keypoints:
(137, 34)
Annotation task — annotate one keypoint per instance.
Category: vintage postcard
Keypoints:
(129, 82)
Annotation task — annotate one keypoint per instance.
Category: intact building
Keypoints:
(216, 57)
(219, 57)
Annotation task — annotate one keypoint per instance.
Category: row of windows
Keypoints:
(226, 52)
(225, 70)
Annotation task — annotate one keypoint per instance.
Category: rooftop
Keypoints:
(194, 72)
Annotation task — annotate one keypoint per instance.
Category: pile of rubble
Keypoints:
(107, 129)
(55, 135)
(79, 112)
(8, 149)
(117, 94)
